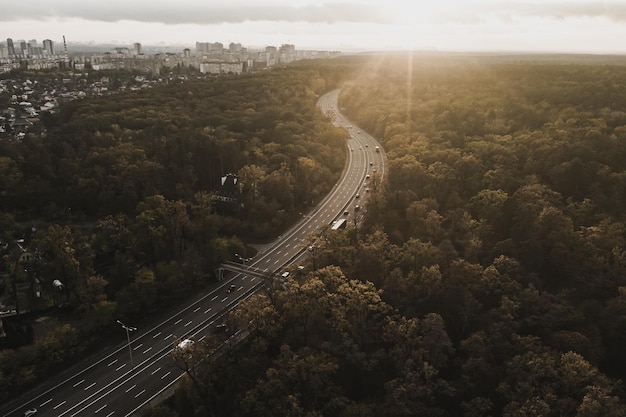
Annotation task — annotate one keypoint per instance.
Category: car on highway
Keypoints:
(346, 212)
(185, 344)
(231, 288)
(357, 196)
(30, 412)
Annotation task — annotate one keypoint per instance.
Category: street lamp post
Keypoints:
(128, 330)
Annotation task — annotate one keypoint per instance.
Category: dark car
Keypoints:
(232, 288)
(30, 412)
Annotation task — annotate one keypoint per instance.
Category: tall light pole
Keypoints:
(128, 330)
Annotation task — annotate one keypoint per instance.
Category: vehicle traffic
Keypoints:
(185, 344)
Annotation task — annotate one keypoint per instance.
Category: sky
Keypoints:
(578, 26)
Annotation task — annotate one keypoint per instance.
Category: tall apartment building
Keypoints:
(208, 47)
(48, 47)
(137, 48)
(288, 48)
(234, 48)
(10, 48)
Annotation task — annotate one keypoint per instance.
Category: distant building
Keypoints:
(288, 49)
(48, 47)
(10, 48)
(208, 47)
(137, 48)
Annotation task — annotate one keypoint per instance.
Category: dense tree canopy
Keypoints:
(123, 208)
(487, 278)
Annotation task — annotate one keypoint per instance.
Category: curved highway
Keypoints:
(124, 379)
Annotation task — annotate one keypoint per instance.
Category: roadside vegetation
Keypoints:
(488, 278)
(122, 209)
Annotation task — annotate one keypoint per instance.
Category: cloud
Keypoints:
(193, 12)
(613, 10)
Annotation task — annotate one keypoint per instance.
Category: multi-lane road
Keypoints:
(123, 380)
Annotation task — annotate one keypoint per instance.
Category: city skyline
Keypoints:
(446, 25)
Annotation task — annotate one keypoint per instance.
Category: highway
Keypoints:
(124, 379)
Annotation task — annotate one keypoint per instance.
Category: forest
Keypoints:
(487, 278)
(119, 211)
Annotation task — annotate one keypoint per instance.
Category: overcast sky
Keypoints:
(446, 25)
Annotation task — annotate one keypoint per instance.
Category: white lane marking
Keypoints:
(120, 367)
(252, 279)
(138, 346)
(214, 298)
(87, 387)
(130, 388)
(45, 402)
(147, 350)
(167, 337)
(142, 391)
(178, 321)
(78, 383)
(155, 371)
(156, 335)
(224, 299)
(196, 310)
(163, 377)
(200, 340)
(59, 405)
(206, 311)
(111, 413)
(112, 362)
(188, 323)
(100, 409)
